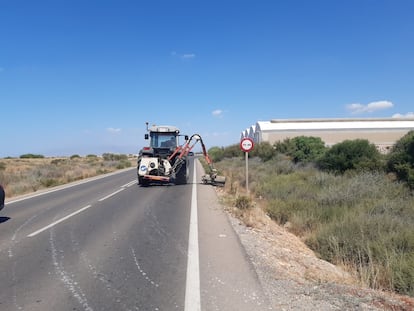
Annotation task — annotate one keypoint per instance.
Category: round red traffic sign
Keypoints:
(246, 144)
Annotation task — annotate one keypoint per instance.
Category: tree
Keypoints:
(216, 154)
(286, 146)
(308, 149)
(302, 148)
(358, 154)
(401, 159)
(264, 151)
(232, 151)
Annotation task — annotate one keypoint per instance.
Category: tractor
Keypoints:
(165, 161)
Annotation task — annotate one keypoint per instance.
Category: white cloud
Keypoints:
(188, 56)
(371, 107)
(184, 56)
(113, 130)
(217, 113)
(407, 115)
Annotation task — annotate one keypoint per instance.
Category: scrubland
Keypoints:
(360, 220)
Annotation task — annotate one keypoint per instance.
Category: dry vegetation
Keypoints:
(361, 221)
(24, 175)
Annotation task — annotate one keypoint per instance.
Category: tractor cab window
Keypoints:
(163, 140)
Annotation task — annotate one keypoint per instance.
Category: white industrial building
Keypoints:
(382, 132)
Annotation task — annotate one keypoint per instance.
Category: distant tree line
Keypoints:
(31, 156)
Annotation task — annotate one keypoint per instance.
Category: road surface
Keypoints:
(109, 244)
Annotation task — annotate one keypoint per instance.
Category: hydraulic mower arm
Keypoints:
(211, 177)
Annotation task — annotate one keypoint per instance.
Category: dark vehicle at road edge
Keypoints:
(2, 197)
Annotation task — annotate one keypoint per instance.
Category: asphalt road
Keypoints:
(109, 244)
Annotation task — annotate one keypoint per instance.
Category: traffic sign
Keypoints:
(246, 144)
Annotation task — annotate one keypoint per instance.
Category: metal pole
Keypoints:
(247, 172)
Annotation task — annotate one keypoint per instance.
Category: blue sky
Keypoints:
(83, 77)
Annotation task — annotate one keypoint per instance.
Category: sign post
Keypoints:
(246, 145)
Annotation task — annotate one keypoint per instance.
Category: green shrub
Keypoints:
(265, 151)
(232, 151)
(102, 171)
(123, 164)
(401, 159)
(358, 154)
(216, 154)
(243, 202)
(287, 146)
(302, 148)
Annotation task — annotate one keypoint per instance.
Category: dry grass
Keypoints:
(22, 176)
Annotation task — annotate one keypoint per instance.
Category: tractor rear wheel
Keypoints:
(182, 176)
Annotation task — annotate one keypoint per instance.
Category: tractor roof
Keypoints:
(164, 128)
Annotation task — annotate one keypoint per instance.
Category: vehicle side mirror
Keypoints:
(186, 137)
(146, 136)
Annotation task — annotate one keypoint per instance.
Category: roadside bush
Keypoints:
(216, 154)
(287, 146)
(302, 148)
(401, 159)
(243, 202)
(265, 151)
(358, 154)
(308, 149)
(123, 164)
(232, 151)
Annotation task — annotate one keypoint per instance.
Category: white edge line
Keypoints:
(192, 290)
(110, 195)
(58, 221)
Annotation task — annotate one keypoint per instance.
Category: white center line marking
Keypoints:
(192, 290)
(58, 221)
(134, 182)
(74, 213)
(110, 195)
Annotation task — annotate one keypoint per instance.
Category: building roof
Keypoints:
(252, 130)
(334, 124)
